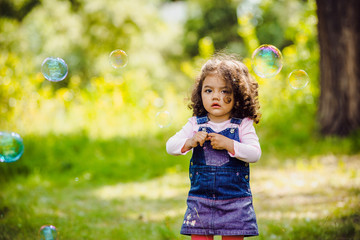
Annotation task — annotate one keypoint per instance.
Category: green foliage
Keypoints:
(17, 9)
(84, 39)
(214, 19)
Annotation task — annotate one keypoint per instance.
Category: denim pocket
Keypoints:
(215, 157)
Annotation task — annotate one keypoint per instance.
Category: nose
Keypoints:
(216, 96)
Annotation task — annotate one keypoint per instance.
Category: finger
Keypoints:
(204, 134)
(213, 138)
(215, 147)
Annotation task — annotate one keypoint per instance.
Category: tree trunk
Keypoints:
(339, 40)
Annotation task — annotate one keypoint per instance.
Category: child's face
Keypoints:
(217, 98)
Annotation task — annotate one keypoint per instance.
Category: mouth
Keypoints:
(215, 105)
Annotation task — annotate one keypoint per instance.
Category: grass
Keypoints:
(131, 189)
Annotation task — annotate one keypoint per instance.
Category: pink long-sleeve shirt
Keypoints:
(247, 150)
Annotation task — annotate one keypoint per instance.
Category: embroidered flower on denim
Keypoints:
(188, 221)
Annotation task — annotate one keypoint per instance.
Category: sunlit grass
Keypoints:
(319, 198)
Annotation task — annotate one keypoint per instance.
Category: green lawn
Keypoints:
(131, 189)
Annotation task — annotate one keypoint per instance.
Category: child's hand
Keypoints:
(198, 139)
(221, 142)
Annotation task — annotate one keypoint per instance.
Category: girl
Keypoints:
(223, 141)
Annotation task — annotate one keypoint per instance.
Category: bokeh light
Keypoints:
(163, 119)
(298, 79)
(48, 232)
(11, 146)
(118, 58)
(54, 69)
(267, 61)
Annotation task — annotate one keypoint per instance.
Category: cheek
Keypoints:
(227, 100)
(205, 99)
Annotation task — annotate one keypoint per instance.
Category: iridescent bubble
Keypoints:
(54, 69)
(159, 102)
(267, 61)
(163, 119)
(298, 79)
(48, 232)
(11, 146)
(118, 58)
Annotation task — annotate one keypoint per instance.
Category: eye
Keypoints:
(225, 92)
(207, 90)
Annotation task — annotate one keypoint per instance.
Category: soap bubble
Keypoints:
(163, 119)
(54, 69)
(11, 146)
(266, 61)
(159, 102)
(298, 79)
(48, 232)
(118, 58)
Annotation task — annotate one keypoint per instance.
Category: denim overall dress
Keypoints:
(219, 200)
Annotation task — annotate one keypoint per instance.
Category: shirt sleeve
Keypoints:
(176, 142)
(248, 149)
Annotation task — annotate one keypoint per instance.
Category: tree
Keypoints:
(339, 40)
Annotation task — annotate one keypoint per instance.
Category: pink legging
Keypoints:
(210, 237)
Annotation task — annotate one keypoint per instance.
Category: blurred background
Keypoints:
(95, 164)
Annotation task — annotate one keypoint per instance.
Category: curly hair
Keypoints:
(236, 75)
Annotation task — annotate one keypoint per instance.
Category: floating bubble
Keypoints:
(11, 146)
(48, 232)
(158, 102)
(118, 58)
(298, 79)
(267, 61)
(163, 119)
(54, 69)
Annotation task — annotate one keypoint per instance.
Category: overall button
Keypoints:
(246, 176)
(232, 130)
(191, 163)
(203, 129)
(246, 164)
(190, 175)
